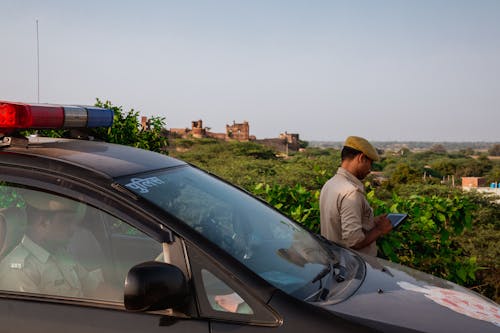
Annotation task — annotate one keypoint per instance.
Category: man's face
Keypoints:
(60, 227)
(364, 166)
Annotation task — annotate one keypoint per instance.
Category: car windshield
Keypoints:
(267, 242)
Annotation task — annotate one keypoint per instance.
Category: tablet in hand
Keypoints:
(396, 218)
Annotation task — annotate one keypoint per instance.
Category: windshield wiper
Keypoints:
(322, 274)
(340, 264)
(322, 292)
(340, 276)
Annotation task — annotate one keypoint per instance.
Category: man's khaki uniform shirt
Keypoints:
(345, 213)
(30, 268)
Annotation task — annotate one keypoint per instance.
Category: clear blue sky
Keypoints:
(387, 70)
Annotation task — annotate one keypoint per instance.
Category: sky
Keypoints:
(406, 70)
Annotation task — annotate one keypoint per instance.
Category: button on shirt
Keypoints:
(31, 268)
(346, 215)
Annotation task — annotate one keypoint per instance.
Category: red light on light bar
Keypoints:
(7, 115)
(21, 116)
(12, 115)
(18, 116)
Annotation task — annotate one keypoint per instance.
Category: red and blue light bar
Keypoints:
(15, 116)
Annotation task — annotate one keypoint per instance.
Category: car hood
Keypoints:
(395, 298)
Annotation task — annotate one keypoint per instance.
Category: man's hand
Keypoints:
(229, 302)
(382, 227)
(383, 224)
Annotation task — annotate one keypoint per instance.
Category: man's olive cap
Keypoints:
(363, 146)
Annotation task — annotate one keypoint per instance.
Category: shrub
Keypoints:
(127, 130)
(428, 241)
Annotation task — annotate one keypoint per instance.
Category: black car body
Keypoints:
(180, 250)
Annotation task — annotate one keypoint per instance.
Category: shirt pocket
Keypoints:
(55, 283)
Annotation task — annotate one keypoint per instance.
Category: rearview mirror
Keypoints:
(155, 285)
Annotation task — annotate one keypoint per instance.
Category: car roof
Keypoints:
(112, 160)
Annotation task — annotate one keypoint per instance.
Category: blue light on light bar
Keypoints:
(99, 117)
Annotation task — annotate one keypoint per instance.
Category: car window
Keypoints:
(221, 297)
(55, 246)
(264, 240)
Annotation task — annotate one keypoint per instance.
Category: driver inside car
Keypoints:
(41, 263)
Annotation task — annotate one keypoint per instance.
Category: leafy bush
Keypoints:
(428, 241)
(127, 130)
(495, 150)
(493, 175)
(404, 174)
(251, 149)
(297, 202)
(482, 242)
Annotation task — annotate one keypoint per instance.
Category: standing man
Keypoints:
(346, 216)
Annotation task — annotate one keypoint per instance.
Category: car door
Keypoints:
(39, 291)
(232, 299)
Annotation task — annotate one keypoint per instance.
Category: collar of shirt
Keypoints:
(351, 178)
(39, 252)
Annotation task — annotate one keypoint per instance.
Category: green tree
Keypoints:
(468, 151)
(474, 168)
(404, 174)
(444, 166)
(127, 129)
(493, 175)
(251, 149)
(495, 150)
(438, 149)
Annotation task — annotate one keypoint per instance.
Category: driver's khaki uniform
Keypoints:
(346, 215)
(31, 268)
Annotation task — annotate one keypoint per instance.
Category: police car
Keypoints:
(108, 238)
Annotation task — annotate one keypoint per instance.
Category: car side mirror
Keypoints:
(155, 285)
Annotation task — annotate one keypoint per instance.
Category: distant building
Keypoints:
(473, 182)
(286, 142)
(196, 131)
(239, 132)
(218, 136)
(479, 184)
(290, 138)
(236, 131)
(179, 132)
